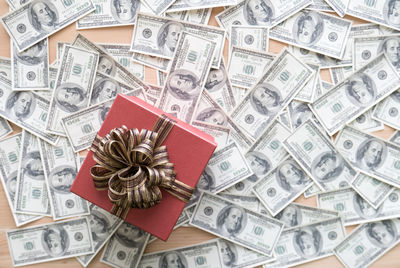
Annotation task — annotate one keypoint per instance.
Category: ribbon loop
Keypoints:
(132, 165)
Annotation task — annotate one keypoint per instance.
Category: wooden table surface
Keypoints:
(184, 235)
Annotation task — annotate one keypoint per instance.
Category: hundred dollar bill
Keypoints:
(125, 248)
(324, 87)
(284, 118)
(266, 13)
(282, 186)
(37, 20)
(367, 243)
(236, 224)
(279, 84)
(151, 61)
(236, 256)
(49, 242)
(382, 12)
(5, 128)
(226, 167)
(9, 157)
(371, 190)
(387, 111)
(102, 226)
(340, 73)
(250, 37)
(355, 210)
(250, 202)
(47, 94)
(205, 254)
(30, 68)
(220, 133)
(5, 67)
(157, 6)
(187, 76)
(180, 5)
(199, 16)
(60, 170)
(123, 55)
(356, 94)
(318, 157)
(306, 94)
(246, 66)
(25, 109)
(308, 243)
(219, 87)
(340, 6)
(158, 36)
(371, 155)
(366, 122)
(239, 93)
(73, 86)
(31, 191)
(14, 4)
(320, 5)
(110, 14)
(299, 112)
(321, 60)
(153, 93)
(263, 156)
(395, 138)
(313, 190)
(325, 34)
(295, 215)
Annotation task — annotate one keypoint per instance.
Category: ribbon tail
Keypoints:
(180, 190)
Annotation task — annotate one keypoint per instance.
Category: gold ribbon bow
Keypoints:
(132, 166)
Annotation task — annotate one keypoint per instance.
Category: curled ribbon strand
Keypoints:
(132, 165)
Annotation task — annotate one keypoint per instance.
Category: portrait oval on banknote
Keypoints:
(104, 89)
(363, 209)
(183, 84)
(213, 116)
(33, 55)
(308, 28)
(307, 242)
(371, 154)
(258, 12)
(396, 96)
(216, 79)
(228, 252)
(32, 166)
(61, 178)
(106, 65)
(55, 241)
(43, 16)
(130, 236)
(124, 11)
(172, 259)
(291, 216)
(99, 224)
(70, 97)
(20, 105)
(327, 166)
(231, 220)
(168, 36)
(381, 233)
(290, 176)
(391, 47)
(391, 12)
(360, 90)
(266, 99)
(103, 114)
(259, 163)
(11, 184)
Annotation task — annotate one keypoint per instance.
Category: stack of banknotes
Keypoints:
(282, 132)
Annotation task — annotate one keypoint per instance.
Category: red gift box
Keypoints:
(189, 150)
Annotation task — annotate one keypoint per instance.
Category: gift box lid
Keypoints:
(188, 148)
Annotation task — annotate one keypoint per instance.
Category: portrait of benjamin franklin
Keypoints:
(130, 236)
(61, 178)
(327, 166)
(55, 241)
(213, 116)
(20, 105)
(173, 259)
(168, 36)
(33, 55)
(124, 11)
(371, 154)
(259, 163)
(228, 252)
(106, 65)
(291, 177)
(299, 114)
(308, 27)
(291, 216)
(42, 14)
(363, 209)
(104, 89)
(307, 242)
(265, 99)
(258, 12)
(70, 97)
(360, 90)
(382, 233)
(32, 165)
(231, 220)
(391, 47)
(206, 183)
(99, 225)
(391, 12)
(216, 79)
(11, 185)
(183, 84)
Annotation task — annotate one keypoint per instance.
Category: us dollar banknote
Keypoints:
(250, 202)
(199, 16)
(31, 191)
(325, 87)
(247, 228)
(73, 86)
(267, 14)
(319, 59)
(325, 34)
(10, 153)
(25, 109)
(368, 242)
(356, 94)
(340, 6)
(110, 14)
(102, 226)
(5, 128)
(308, 242)
(251, 37)
(306, 94)
(60, 170)
(125, 248)
(180, 5)
(220, 133)
(153, 94)
(14, 4)
(263, 156)
(318, 157)
(282, 186)
(373, 156)
(204, 253)
(33, 22)
(158, 36)
(371, 190)
(320, 5)
(47, 94)
(395, 138)
(355, 210)
(158, 6)
(30, 68)
(264, 101)
(49, 242)
(387, 111)
(5, 67)
(151, 61)
(299, 112)
(187, 76)
(366, 121)
(246, 66)
(340, 73)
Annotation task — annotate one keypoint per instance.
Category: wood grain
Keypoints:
(183, 235)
